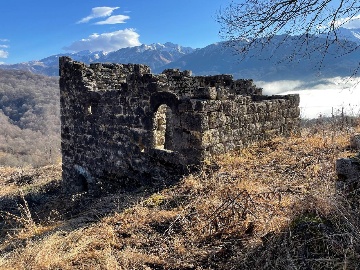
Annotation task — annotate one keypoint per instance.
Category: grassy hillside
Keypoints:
(270, 206)
(29, 119)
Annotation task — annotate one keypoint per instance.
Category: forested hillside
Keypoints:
(29, 118)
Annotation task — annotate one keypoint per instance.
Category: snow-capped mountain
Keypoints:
(285, 57)
(154, 55)
(348, 34)
(50, 65)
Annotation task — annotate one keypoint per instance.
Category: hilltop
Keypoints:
(270, 206)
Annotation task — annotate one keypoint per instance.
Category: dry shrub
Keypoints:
(270, 206)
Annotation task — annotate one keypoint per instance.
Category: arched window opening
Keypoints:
(163, 128)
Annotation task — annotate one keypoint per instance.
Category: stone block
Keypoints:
(260, 108)
(222, 93)
(355, 141)
(194, 121)
(229, 146)
(217, 149)
(206, 105)
(348, 172)
(210, 137)
(186, 105)
(216, 119)
(205, 93)
(228, 107)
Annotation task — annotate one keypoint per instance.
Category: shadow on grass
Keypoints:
(48, 203)
(311, 241)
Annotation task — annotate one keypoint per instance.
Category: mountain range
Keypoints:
(284, 57)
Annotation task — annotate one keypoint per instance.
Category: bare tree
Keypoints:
(254, 23)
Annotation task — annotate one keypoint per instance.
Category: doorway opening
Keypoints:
(163, 128)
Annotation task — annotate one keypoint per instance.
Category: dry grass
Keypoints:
(14, 178)
(270, 206)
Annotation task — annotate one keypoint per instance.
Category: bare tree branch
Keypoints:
(256, 23)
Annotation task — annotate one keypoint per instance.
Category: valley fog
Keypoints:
(321, 97)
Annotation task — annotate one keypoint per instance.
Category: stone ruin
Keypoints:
(122, 123)
(348, 169)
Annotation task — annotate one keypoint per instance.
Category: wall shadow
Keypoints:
(51, 203)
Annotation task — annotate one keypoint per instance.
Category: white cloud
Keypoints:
(114, 19)
(107, 41)
(3, 54)
(349, 23)
(98, 12)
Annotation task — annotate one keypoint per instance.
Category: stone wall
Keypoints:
(122, 122)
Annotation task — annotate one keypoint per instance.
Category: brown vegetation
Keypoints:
(270, 206)
(29, 119)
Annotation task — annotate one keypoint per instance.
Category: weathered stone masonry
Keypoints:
(122, 122)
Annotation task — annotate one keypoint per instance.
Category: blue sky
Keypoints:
(32, 30)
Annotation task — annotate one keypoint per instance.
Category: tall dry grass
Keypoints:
(270, 206)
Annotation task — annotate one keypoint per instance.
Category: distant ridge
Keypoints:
(280, 60)
(277, 61)
(153, 55)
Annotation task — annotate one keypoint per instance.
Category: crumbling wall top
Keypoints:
(138, 77)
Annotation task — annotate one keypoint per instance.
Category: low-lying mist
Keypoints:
(321, 97)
